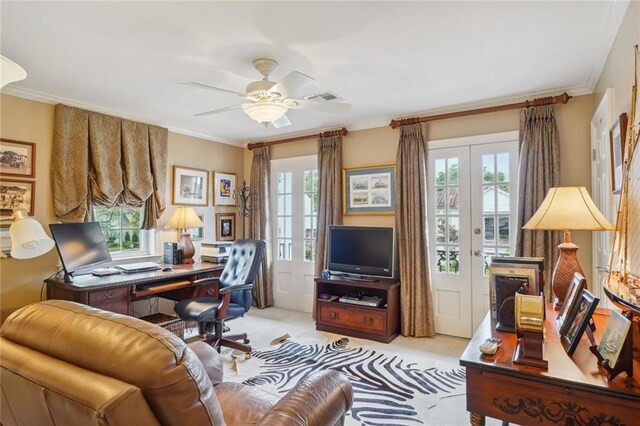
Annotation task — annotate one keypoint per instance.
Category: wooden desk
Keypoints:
(573, 391)
(116, 292)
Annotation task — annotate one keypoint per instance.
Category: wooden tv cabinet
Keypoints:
(375, 323)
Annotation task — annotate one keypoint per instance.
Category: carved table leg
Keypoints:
(476, 419)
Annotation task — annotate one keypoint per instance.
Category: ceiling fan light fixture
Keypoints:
(265, 112)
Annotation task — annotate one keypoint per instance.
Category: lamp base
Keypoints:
(566, 266)
(188, 250)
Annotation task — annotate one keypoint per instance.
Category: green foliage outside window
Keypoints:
(120, 227)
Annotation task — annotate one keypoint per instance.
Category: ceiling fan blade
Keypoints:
(281, 122)
(292, 83)
(217, 111)
(215, 89)
(324, 106)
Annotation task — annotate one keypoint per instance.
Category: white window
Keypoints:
(122, 233)
(310, 213)
(284, 214)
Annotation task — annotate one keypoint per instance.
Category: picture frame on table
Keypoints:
(14, 192)
(617, 137)
(225, 226)
(5, 240)
(614, 338)
(369, 190)
(224, 186)
(17, 158)
(578, 283)
(190, 186)
(197, 234)
(578, 320)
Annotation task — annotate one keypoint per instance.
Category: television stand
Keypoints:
(380, 323)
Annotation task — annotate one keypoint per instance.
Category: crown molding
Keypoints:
(47, 98)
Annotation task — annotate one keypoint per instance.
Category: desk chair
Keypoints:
(234, 297)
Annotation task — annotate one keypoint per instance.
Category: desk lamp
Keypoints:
(567, 209)
(183, 218)
(28, 239)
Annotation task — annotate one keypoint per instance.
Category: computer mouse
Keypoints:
(167, 269)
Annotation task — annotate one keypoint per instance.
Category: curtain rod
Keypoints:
(338, 132)
(549, 100)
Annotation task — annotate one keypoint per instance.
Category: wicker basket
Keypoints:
(168, 322)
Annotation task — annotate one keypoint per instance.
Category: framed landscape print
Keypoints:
(17, 158)
(225, 226)
(14, 192)
(224, 185)
(5, 240)
(617, 137)
(369, 190)
(614, 338)
(190, 186)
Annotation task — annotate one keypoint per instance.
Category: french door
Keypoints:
(294, 183)
(472, 216)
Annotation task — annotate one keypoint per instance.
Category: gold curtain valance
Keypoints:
(100, 160)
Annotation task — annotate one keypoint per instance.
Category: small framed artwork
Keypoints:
(17, 158)
(225, 226)
(578, 320)
(578, 283)
(614, 338)
(224, 185)
(190, 186)
(617, 137)
(14, 192)
(196, 233)
(369, 190)
(5, 240)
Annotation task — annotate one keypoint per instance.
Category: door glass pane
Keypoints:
(503, 229)
(440, 171)
(453, 230)
(441, 203)
(488, 199)
(502, 162)
(488, 168)
(489, 230)
(441, 230)
(452, 171)
(454, 260)
(503, 198)
(442, 264)
(453, 200)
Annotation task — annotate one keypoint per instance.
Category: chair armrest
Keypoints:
(210, 359)
(322, 398)
(237, 287)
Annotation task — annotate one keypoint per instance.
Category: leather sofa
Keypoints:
(64, 363)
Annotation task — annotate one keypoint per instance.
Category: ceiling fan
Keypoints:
(271, 100)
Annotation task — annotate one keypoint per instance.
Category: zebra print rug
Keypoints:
(389, 389)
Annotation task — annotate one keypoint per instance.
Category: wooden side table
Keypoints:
(574, 390)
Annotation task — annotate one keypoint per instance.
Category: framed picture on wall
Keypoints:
(17, 158)
(225, 226)
(14, 192)
(617, 137)
(369, 190)
(224, 185)
(190, 186)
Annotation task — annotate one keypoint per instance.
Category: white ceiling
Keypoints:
(388, 59)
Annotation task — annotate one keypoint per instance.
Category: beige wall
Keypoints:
(378, 146)
(30, 121)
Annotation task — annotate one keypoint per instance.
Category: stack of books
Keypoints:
(172, 254)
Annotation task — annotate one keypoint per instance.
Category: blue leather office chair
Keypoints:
(233, 299)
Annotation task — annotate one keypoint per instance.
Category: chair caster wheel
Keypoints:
(246, 341)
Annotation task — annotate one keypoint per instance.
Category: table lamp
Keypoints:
(183, 218)
(28, 239)
(567, 209)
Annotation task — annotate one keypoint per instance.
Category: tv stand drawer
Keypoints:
(353, 317)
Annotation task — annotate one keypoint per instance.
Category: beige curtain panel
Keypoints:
(538, 170)
(100, 160)
(329, 198)
(260, 224)
(411, 228)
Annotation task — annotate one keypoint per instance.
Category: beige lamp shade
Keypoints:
(568, 208)
(184, 217)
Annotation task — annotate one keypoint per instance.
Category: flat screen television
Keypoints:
(361, 250)
(80, 246)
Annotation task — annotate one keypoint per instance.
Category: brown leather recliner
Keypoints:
(63, 363)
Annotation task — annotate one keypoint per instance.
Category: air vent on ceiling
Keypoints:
(327, 96)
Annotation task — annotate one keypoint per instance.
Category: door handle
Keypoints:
(478, 253)
(477, 231)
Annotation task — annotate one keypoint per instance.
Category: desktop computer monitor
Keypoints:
(80, 246)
